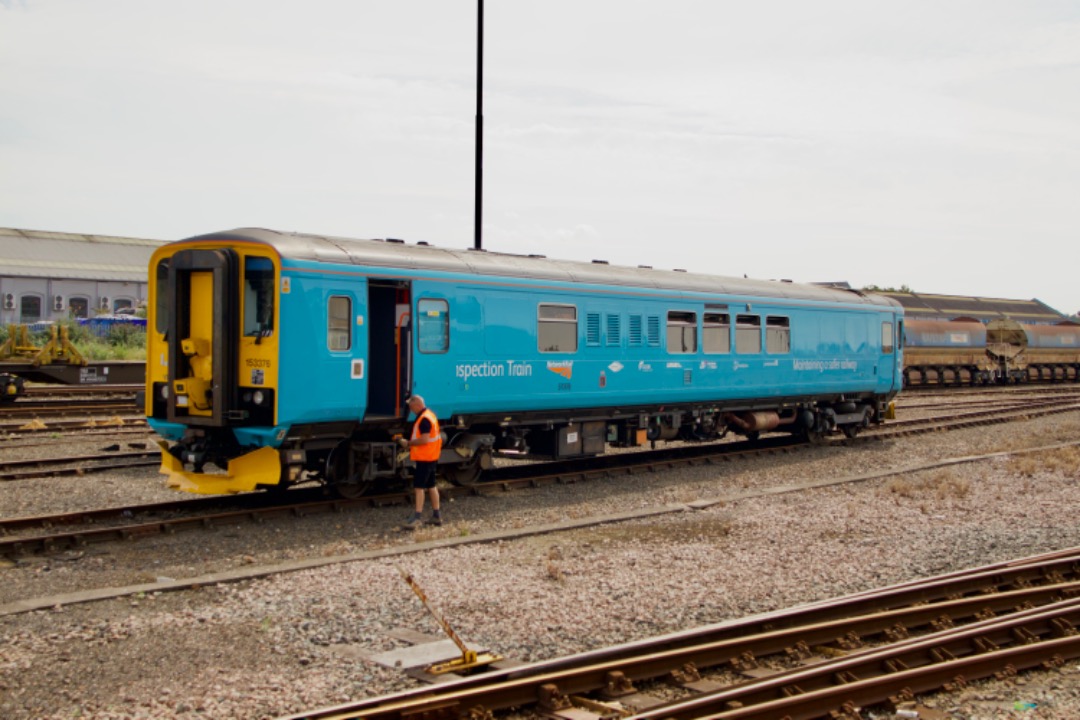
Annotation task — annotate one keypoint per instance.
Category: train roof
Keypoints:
(422, 256)
(56, 255)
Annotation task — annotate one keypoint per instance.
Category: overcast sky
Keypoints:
(934, 144)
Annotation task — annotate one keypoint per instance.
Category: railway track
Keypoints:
(824, 660)
(32, 409)
(72, 427)
(78, 464)
(52, 533)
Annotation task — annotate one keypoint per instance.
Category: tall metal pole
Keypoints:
(479, 190)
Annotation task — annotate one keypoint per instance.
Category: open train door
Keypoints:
(389, 348)
(202, 319)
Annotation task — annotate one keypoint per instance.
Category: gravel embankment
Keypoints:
(264, 648)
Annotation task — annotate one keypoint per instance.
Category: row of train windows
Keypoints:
(557, 331)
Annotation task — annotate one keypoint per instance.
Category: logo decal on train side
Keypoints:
(510, 368)
(615, 366)
(562, 367)
(643, 366)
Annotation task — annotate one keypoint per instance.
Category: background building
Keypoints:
(55, 276)
(949, 307)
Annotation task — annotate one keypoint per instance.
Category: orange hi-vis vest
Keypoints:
(431, 451)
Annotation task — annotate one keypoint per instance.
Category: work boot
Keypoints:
(414, 520)
(436, 518)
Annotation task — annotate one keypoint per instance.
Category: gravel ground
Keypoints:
(269, 647)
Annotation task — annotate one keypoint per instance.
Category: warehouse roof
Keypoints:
(950, 307)
(54, 255)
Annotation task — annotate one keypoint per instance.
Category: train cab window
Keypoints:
(716, 333)
(258, 297)
(557, 328)
(339, 323)
(432, 325)
(681, 332)
(886, 338)
(748, 334)
(777, 335)
(161, 299)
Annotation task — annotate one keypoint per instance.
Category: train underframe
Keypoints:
(971, 375)
(354, 459)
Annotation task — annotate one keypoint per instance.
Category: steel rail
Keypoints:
(614, 676)
(953, 657)
(76, 464)
(503, 479)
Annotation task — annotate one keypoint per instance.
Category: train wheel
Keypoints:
(345, 483)
(850, 431)
(463, 473)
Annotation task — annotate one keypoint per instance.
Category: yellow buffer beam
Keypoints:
(260, 467)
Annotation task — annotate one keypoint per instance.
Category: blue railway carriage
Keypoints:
(276, 358)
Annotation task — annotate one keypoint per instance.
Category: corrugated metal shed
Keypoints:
(950, 307)
(54, 255)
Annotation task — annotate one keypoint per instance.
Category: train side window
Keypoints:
(592, 329)
(258, 297)
(432, 325)
(777, 335)
(900, 333)
(614, 330)
(653, 330)
(716, 333)
(557, 328)
(339, 323)
(886, 338)
(161, 302)
(635, 331)
(681, 332)
(748, 334)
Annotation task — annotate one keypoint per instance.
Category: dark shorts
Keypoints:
(424, 475)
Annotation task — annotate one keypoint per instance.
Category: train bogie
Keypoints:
(278, 358)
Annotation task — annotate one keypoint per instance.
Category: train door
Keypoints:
(887, 376)
(389, 343)
(202, 320)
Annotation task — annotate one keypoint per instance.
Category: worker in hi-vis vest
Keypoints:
(424, 445)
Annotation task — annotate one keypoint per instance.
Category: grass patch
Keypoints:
(941, 485)
(1064, 460)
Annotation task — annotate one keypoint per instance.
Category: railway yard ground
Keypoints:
(529, 574)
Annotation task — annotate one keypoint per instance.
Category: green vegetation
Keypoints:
(121, 342)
